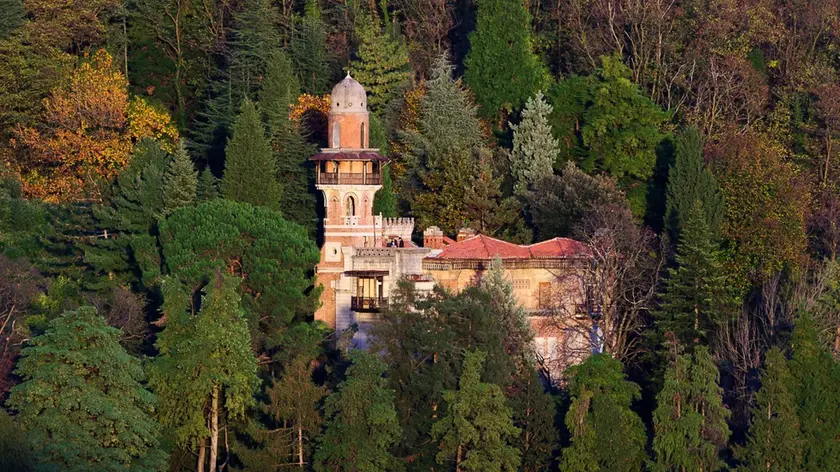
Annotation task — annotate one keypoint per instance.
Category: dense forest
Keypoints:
(159, 229)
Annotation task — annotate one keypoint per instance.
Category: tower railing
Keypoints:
(349, 178)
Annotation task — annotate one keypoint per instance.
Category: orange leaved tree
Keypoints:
(87, 130)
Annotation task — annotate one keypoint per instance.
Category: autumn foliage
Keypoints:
(89, 126)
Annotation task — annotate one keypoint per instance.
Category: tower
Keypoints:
(348, 174)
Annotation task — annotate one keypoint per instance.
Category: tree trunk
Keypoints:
(458, 460)
(201, 452)
(214, 428)
(300, 445)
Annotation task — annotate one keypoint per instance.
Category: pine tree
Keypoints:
(534, 147)
(605, 433)
(180, 181)
(279, 90)
(442, 154)
(309, 52)
(255, 41)
(696, 299)
(501, 67)
(206, 372)
(362, 423)
(207, 186)
(533, 413)
(250, 169)
(484, 207)
(690, 427)
(385, 202)
(816, 378)
(477, 430)
(774, 438)
(689, 180)
(82, 402)
(382, 65)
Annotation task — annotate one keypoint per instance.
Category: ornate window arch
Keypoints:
(350, 205)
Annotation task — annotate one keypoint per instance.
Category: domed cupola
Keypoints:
(348, 96)
(349, 122)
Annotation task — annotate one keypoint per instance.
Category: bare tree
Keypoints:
(20, 282)
(602, 305)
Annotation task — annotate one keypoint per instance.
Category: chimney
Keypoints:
(433, 238)
(465, 233)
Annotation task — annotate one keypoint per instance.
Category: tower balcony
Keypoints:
(349, 178)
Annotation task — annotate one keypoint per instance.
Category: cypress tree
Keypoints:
(689, 180)
(817, 386)
(501, 67)
(180, 181)
(690, 426)
(205, 372)
(362, 423)
(309, 51)
(288, 141)
(382, 64)
(605, 433)
(250, 169)
(774, 438)
(207, 186)
(477, 430)
(534, 147)
(82, 401)
(533, 413)
(696, 299)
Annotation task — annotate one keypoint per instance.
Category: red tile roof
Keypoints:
(485, 247)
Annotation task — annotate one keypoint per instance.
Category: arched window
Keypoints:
(350, 206)
(333, 209)
(336, 137)
(362, 138)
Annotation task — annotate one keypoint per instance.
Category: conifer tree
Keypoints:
(16, 454)
(382, 64)
(484, 207)
(180, 181)
(362, 423)
(696, 299)
(255, 40)
(206, 373)
(605, 433)
(774, 438)
(250, 169)
(385, 202)
(533, 413)
(207, 186)
(11, 16)
(817, 386)
(501, 67)
(477, 430)
(534, 147)
(689, 180)
(82, 403)
(280, 88)
(690, 425)
(309, 51)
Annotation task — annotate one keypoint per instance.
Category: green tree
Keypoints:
(180, 181)
(484, 207)
(477, 429)
(534, 147)
(816, 386)
(308, 51)
(280, 88)
(443, 152)
(605, 433)
(82, 401)
(385, 202)
(250, 168)
(206, 373)
(11, 17)
(362, 424)
(16, 453)
(696, 299)
(559, 203)
(501, 67)
(207, 187)
(382, 65)
(690, 427)
(774, 439)
(274, 257)
(534, 413)
(689, 180)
